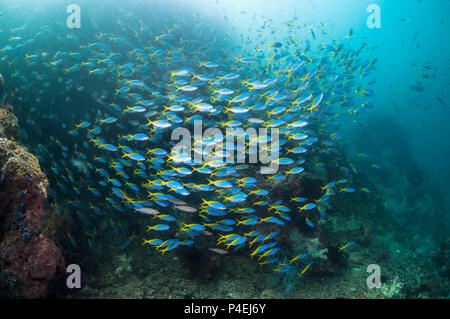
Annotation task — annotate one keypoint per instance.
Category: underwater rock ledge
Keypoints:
(28, 260)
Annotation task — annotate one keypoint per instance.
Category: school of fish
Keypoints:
(101, 108)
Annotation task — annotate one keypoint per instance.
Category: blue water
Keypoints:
(376, 163)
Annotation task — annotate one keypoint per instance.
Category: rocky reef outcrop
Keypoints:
(28, 259)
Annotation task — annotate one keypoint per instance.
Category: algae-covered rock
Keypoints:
(9, 125)
(28, 260)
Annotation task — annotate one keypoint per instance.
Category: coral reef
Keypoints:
(413, 265)
(386, 290)
(28, 259)
(201, 263)
(393, 289)
(123, 265)
(315, 251)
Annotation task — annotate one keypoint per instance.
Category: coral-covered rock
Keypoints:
(28, 260)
